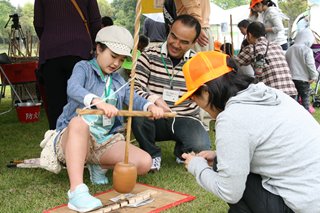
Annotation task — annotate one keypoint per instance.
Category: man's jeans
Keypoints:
(189, 134)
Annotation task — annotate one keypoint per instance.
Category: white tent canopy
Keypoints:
(219, 15)
(158, 17)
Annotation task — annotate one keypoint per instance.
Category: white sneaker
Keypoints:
(81, 200)
(156, 164)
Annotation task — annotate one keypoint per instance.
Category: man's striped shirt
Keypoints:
(152, 77)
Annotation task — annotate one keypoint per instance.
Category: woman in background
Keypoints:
(272, 20)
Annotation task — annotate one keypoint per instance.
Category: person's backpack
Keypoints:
(169, 13)
(259, 61)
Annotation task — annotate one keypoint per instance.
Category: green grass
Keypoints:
(34, 190)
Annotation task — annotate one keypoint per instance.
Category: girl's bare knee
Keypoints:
(78, 125)
(144, 165)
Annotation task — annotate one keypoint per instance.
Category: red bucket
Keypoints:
(28, 112)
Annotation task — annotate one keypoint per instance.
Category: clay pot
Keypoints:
(124, 177)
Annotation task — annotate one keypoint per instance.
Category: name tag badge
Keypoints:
(106, 121)
(170, 95)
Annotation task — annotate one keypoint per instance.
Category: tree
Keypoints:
(26, 19)
(6, 9)
(227, 4)
(124, 13)
(292, 8)
(105, 8)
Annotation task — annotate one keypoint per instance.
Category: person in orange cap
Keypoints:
(267, 146)
(272, 20)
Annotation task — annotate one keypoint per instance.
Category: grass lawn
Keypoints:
(34, 190)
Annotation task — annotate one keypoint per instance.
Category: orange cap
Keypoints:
(201, 68)
(254, 2)
(217, 45)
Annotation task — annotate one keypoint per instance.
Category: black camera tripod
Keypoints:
(16, 34)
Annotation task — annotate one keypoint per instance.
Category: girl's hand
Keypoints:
(109, 109)
(157, 112)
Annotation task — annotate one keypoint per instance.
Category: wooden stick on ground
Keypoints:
(142, 196)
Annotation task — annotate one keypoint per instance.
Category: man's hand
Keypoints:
(161, 103)
(203, 39)
(157, 112)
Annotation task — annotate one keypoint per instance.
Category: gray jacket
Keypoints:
(300, 57)
(265, 132)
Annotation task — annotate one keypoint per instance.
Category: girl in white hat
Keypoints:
(93, 139)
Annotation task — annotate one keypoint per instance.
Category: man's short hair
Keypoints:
(189, 21)
(244, 23)
(256, 29)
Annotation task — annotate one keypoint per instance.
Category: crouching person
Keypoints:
(267, 146)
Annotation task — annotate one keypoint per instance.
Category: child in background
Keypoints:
(243, 25)
(126, 67)
(302, 65)
(93, 139)
(106, 21)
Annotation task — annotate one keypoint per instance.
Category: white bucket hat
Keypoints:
(118, 39)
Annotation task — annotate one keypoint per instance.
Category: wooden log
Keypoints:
(123, 113)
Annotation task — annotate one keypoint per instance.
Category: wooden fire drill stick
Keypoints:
(133, 71)
(122, 113)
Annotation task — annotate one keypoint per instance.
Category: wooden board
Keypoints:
(163, 199)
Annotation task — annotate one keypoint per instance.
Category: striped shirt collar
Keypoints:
(186, 56)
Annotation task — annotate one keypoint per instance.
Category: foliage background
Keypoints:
(123, 13)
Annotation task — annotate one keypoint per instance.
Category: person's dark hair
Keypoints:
(102, 46)
(106, 21)
(256, 29)
(223, 88)
(269, 3)
(143, 42)
(244, 23)
(189, 21)
(227, 48)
